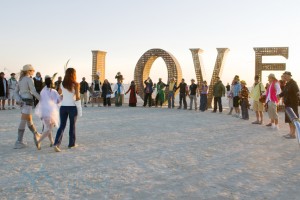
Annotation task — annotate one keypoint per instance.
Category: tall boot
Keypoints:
(36, 135)
(20, 142)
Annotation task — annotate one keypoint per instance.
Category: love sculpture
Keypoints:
(144, 64)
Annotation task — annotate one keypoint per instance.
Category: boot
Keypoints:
(20, 142)
(36, 135)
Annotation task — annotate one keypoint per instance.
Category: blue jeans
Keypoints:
(171, 99)
(203, 102)
(64, 113)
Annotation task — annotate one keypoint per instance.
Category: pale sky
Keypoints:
(46, 33)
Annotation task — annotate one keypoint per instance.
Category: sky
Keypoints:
(47, 33)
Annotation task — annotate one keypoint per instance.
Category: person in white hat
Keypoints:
(24, 93)
(272, 97)
(12, 83)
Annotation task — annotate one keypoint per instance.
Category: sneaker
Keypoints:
(289, 136)
(269, 124)
(57, 149)
(255, 122)
(71, 147)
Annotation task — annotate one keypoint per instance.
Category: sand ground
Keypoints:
(152, 153)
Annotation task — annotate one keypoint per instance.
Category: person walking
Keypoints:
(218, 93)
(290, 96)
(160, 96)
(12, 83)
(106, 93)
(38, 84)
(171, 88)
(203, 96)
(48, 110)
(4, 90)
(272, 97)
(244, 95)
(24, 93)
(148, 92)
(132, 95)
(183, 92)
(84, 86)
(119, 91)
(257, 90)
(70, 108)
(193, 94)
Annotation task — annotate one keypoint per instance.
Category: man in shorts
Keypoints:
(257, 90)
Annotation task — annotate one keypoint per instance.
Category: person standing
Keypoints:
(12, 83)
(70, 108)
(272, 96)
(48, 110)
(203, 96)
(244, 95)
(24, 93)
(193, 94)
(58, 83)
(236, 99)
(132, 96)
(183, 92)
(230, 97)
(4, 91)
(38, 84)
(148, 92)
(119, 92)
(84, 86)
(96, 90)
(218, 93)
(106, 93)
(257, 90)
(160, 96)
(290, 96)
(171, 88)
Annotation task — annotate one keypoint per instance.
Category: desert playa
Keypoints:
(152, 153)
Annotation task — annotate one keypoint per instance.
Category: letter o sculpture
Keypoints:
(144, 64)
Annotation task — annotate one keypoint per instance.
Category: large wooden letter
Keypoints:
(269, 51)
(218, 69)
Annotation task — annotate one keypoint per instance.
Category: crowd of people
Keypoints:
(55, 102)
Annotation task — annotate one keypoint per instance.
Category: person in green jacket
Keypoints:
(218, 93)
(160, 96)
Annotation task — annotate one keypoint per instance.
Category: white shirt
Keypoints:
(68, 97)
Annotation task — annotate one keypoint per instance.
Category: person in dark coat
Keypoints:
(183, 92)
(133, 92)
(4, 91)
(290, 96)
(148, 92)
(106, 93)
(38, 84)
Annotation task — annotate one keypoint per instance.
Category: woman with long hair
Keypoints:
(48, 111)
(133, 92)
(24, 93)
(70, 107)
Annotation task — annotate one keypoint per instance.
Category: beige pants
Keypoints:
(83, 97)
(272, 110)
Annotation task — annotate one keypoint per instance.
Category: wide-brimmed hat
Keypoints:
(13, 74)
(271, 76)
(243, 82)
(27, 67)
(287, 73)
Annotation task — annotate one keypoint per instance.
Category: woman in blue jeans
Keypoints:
(70, 107)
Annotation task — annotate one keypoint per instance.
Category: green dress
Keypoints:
(160, 92)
